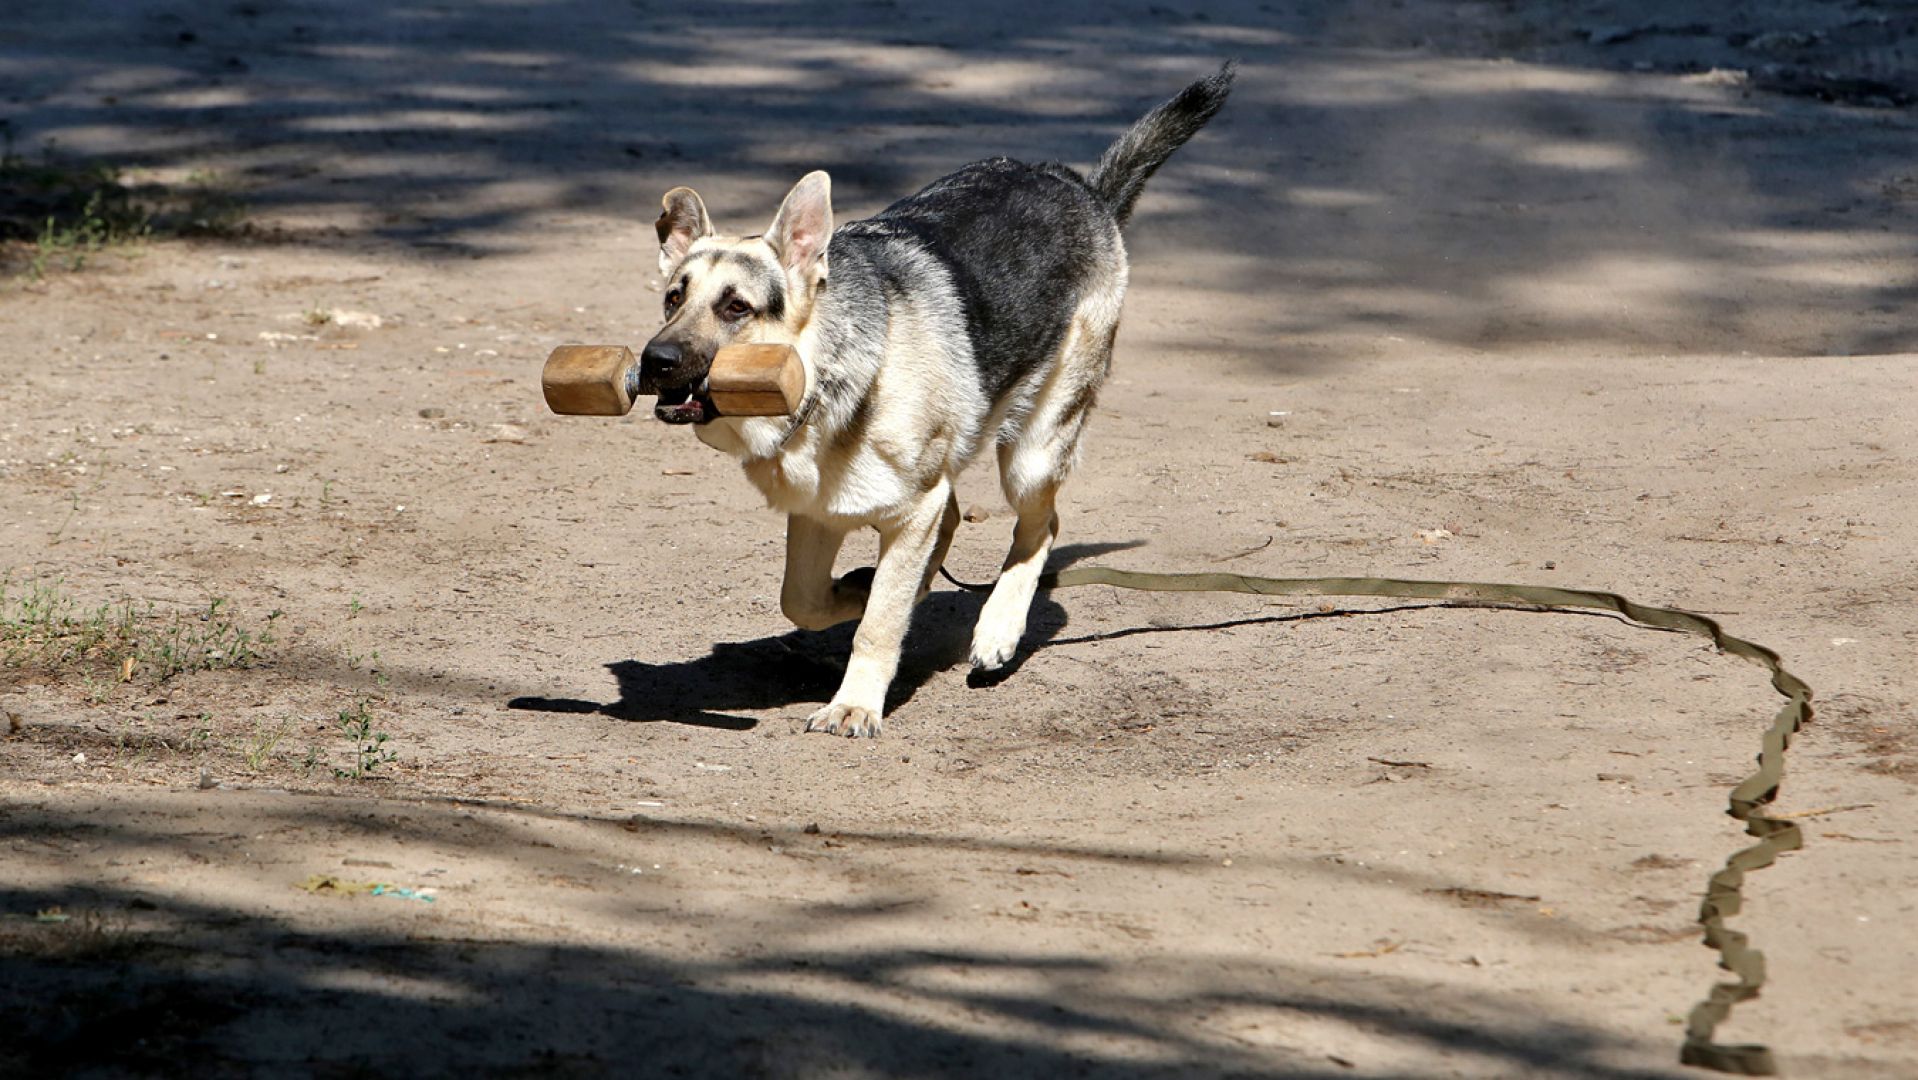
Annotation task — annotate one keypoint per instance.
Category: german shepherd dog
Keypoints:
(980, 310)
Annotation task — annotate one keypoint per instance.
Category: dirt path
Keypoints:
(1583, 295)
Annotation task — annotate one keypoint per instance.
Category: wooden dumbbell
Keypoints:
(603, 380)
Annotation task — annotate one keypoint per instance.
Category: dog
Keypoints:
(981, 310)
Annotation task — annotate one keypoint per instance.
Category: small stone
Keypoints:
(976, 514)
(432, 413)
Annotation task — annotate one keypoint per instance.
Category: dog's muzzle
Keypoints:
(660, 365)
(665, 369)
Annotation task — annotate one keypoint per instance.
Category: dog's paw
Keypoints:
(848, 720)
(992, 651)
(852, 588)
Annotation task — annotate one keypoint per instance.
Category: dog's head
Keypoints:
(731, 290)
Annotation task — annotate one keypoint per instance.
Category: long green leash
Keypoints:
(1723, 898)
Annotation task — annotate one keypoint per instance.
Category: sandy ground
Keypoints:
(1609, 295)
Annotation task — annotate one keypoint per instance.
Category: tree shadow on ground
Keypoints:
(149, 982)
(372, 1003)
(1374, 176)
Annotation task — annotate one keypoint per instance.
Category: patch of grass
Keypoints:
(94, 211)
(63, 213)
(260, 750)
(44, 629)
(59, 214)
(367, 747)
(207, 642)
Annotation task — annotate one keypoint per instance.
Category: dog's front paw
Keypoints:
(853, 587)
(849, 720)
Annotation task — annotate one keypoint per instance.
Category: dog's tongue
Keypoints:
(690, 411)
(685, 405)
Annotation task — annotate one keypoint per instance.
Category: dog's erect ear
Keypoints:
(803, 227)
(682, 221)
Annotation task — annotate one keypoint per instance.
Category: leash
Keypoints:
(1723, 892)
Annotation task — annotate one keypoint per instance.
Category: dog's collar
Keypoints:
(803, 414)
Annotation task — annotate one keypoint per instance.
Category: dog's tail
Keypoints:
(1122, 171)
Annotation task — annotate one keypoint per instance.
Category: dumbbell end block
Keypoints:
(757, 380)
(590, 380)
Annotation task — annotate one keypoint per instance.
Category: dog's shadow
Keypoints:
(806, 665)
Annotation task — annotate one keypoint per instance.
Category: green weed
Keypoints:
(260, 750)
(367, 747)
(73, 500)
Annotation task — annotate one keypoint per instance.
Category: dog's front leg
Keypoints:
(906, 549)
(809, 596)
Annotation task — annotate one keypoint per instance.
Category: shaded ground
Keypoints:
(1597, 294)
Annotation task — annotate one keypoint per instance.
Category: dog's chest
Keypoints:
(849, 483)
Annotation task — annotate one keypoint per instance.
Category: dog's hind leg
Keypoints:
(1002, 622)
(906, 550)
(948, 525)
(809, 596)
(1033, 464)
(1031, 471)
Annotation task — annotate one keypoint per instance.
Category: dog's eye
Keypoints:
(738, 309)
(673, 298)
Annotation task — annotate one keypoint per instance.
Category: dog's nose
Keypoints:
(657, 363)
